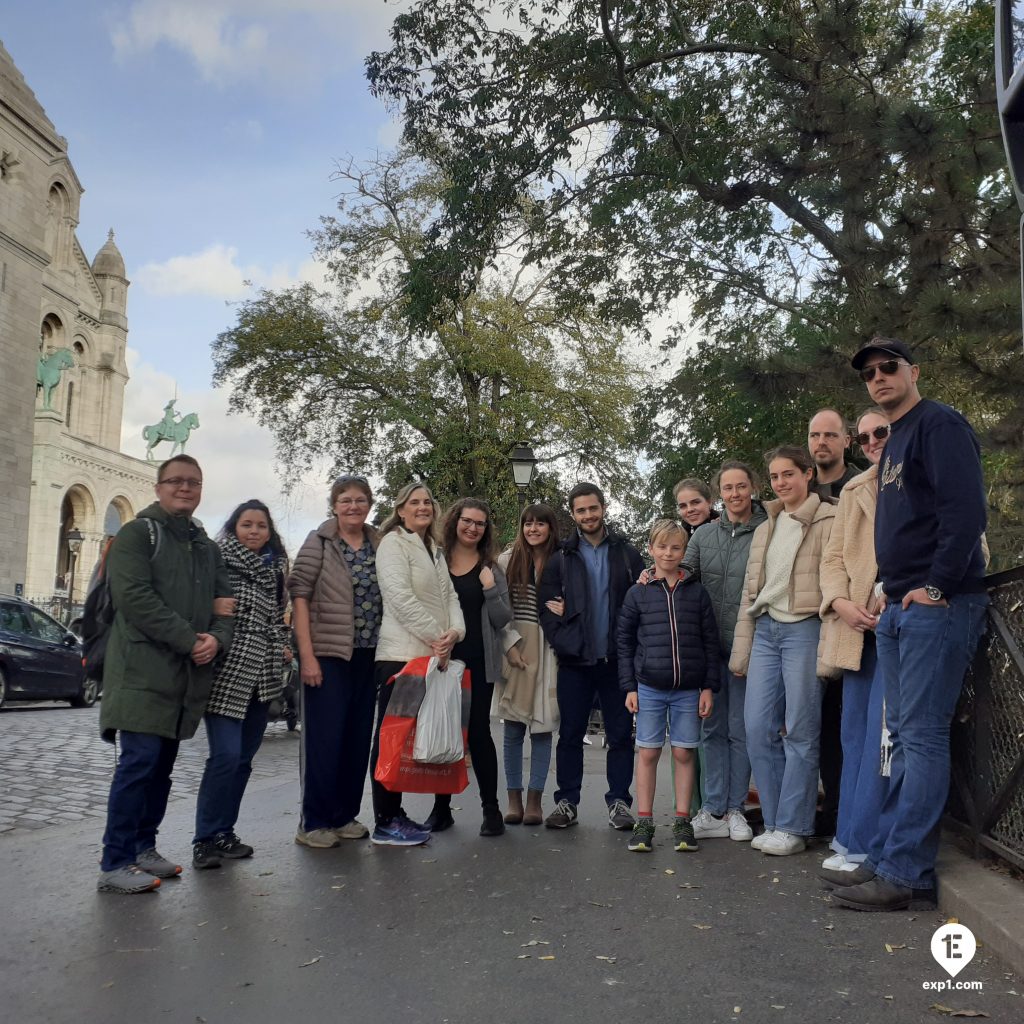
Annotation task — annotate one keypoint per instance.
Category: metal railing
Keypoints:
(986, 799)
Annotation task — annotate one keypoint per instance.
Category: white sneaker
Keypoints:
(707, 826)
(837, 862)
(782, 844)
(739, 830)
(757, 843)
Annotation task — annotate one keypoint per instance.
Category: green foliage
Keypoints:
(344, 372)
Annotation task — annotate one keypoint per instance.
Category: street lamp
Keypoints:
(75, 538)
(523, 464)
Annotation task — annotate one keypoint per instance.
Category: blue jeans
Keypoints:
(577, 686)
(923, 653)
(726, 764)
(783, 690)
(138, 797)
(233, 744)
(863, 787)
(676, 707)
(540, 756)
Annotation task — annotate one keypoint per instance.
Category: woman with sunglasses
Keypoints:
(468, 538)
(527, 698)
(776, 646)
(336, 615)
(849, 611)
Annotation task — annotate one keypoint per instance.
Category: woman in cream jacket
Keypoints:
(775, 646)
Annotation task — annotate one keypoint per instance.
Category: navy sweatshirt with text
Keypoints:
(931, 504)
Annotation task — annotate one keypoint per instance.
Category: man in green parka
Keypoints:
(173, 607)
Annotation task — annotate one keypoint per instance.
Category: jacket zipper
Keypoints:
(674, 633)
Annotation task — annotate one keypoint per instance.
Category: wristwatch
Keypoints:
(934, 594)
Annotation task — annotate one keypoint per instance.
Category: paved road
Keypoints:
(54, 768)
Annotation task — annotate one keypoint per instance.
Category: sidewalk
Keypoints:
(535, 926)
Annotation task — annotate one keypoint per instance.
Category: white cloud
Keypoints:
(278, 41)
(216, 272)
(236, 453)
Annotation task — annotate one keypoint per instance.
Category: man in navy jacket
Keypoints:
(580, 594)
(928, 544)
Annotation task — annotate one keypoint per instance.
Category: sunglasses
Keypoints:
(878, 434)
(889, 367)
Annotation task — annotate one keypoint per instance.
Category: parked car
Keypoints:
(39, 658)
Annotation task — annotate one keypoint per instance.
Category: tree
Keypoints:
(810, 172)
(342, 371)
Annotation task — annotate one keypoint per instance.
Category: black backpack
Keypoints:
(98, 612)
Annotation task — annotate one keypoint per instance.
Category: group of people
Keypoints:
(819, 638)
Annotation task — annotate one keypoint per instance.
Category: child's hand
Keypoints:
(645, 577)
(707, 699)
(632, 702)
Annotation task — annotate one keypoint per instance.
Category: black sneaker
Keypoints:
(206, 855)
(564, 815)
(619, 815)
(493, 824)
(682, 835)
(642, 839)
(231, 847)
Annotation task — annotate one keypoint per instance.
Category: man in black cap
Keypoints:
(928, 544)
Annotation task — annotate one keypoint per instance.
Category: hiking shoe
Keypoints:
(707, 826)
(231, 847)
(154, 864)
(620, 816)
(399, 832)
(757, 843)
(127, 880)
(318, 838)
(642, 839)
(564, 815)
(683, 838)
(784, 844)
(206, 855)
(739, 828)
(352, 830)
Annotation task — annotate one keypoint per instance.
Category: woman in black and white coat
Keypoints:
(246, 681)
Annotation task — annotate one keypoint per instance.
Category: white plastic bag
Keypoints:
(438, 737)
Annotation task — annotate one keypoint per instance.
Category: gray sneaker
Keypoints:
(562, 816)
(620, 816)
(154, 863)
(127, 880)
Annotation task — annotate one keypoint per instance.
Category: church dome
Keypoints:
(109, 259)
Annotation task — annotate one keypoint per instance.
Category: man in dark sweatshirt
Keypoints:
(928, 533)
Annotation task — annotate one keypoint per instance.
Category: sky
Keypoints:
(205, 133)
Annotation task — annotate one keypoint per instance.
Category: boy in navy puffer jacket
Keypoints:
(669, 666)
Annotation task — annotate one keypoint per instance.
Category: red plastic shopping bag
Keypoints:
(396, 770)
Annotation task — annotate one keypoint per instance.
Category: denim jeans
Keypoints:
(577, 686)
(923, 653)
(726, 764)
(138, 796)
(783, 690)
(863, 787)
(233, 744)
(540, 756)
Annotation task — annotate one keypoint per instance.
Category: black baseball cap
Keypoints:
(890, 346)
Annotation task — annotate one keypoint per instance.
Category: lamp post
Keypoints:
(523, 464)
(75, 539)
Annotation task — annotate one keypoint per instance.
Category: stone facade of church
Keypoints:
(63, 322)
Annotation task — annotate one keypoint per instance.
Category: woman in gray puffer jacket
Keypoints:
(717, 555)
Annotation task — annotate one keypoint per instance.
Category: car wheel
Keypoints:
(88, 695)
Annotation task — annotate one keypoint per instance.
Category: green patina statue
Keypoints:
(48, 371)
(173, 427)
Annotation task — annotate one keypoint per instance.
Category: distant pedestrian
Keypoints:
(173, 606)
(928, 543)
(669, 667)
(527, 697)
(337, 613)
(244, 682)
(581, 592)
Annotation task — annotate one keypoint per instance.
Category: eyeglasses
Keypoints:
(878, 434)
(889, 367)
(353, 502)
(181, 482)
(349, 478)
(473, 524)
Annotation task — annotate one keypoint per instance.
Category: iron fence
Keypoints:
(986, 800)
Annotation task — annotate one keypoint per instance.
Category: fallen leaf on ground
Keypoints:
(702, 927)
(892, 947)
(503, 932)
(201, 923)
(524, 956)
(829, 927)
(315, 960)
(594, 903)
(775, 1006)
(545, 958)
(263, 874)
(669, 871)
(108, 984)
(609, 959)
(776, 879)
(688, 885)
(535, 942)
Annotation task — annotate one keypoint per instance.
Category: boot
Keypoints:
(514, 814)
(534, 815)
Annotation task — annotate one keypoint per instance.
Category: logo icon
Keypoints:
(953, 946)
